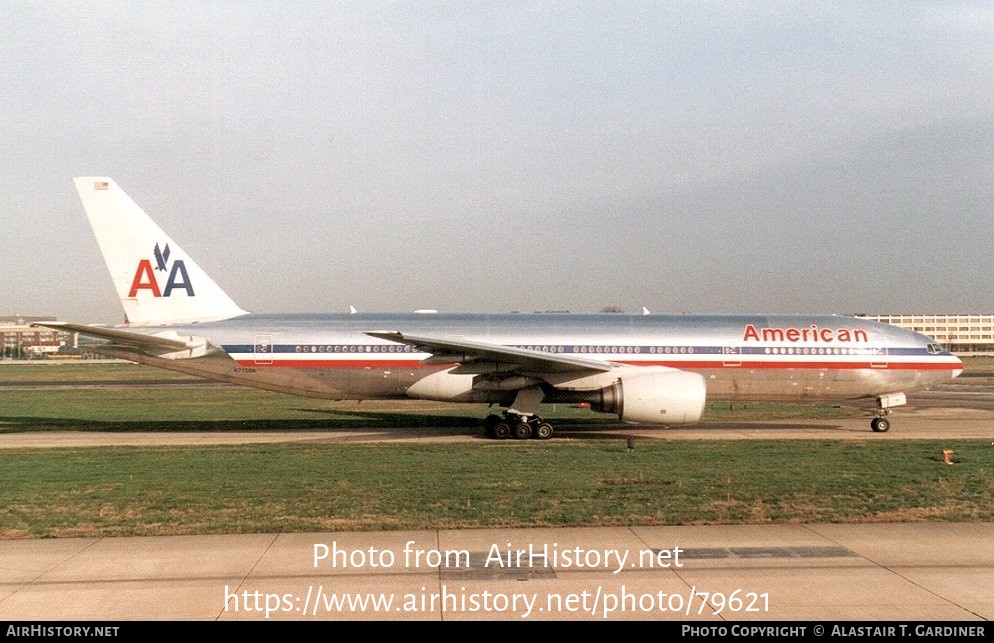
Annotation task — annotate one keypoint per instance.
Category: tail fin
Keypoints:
(156, 281)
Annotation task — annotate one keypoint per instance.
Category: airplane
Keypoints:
(647, 369)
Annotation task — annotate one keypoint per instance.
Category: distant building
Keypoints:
(957, 333)
(20, 340)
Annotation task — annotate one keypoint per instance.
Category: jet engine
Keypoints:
(669, 397)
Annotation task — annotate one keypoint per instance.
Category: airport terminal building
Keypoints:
(20, 340)
(960, 334)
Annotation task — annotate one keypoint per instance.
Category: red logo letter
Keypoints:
(144, 270)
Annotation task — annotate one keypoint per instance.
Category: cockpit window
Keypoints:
(934, 349)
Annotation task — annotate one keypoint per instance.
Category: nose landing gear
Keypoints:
(880, 423)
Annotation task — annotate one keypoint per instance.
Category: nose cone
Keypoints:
(957, 369)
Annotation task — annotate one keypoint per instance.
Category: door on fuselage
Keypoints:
(263, 349)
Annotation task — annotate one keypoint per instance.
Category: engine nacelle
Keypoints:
(670, 397)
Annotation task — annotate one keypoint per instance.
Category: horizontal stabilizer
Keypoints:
(166, 344)
(119, 336)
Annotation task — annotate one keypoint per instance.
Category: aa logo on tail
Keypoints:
(145, 275)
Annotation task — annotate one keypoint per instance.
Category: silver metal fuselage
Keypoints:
(742, 357)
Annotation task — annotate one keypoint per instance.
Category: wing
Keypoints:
(485, 358)
(650, 394)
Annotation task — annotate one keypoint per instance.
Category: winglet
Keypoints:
(155, 280)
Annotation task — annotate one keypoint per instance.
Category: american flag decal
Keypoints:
(101, 185)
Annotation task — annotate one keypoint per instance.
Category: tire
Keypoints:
(501, 430)
(522, 431)
(880, 425)
(543, 431)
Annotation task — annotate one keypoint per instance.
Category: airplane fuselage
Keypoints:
(742, 357)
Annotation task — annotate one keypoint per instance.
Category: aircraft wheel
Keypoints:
(489, 423)
(543, 431)
(880, 425)
(522, 431)
(502, 430)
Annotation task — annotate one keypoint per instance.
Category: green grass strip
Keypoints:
(271, 488)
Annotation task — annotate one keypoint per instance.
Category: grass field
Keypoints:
(327, 487)
(275, 488)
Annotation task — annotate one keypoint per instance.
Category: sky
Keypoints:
(726, 157)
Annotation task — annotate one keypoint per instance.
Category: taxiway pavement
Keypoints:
(815, 573)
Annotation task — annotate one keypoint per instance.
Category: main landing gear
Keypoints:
(519, 420)
(519, 427)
